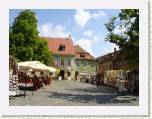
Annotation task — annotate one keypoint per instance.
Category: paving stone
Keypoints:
(73, 93)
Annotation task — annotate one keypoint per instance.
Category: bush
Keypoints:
(57, 72)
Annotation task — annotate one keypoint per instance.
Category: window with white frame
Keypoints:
(92, 64)
(69, 62)
(78, 64)
(62, 62)
(85, 63)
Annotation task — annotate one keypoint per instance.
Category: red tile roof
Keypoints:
(79, 50)
(54, 44)
(111, 56)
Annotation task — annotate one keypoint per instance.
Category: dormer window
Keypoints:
(62, 47)
(81, 54)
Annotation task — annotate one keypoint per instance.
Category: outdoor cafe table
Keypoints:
(33, 83)
(25, 86)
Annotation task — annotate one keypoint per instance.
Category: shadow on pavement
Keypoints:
(81, 98)
(95, 90)
(89, 98)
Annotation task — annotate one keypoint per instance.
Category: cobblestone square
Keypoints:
(73, 93)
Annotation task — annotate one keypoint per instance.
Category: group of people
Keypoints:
(36, 81)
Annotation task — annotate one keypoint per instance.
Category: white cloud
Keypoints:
(52, 30)
(98, 14)
(109, 49)
(96, 45)
(85, 44)
(88, 44)
(88, 33)
(83, 16)
(104, 47)
(96, 39)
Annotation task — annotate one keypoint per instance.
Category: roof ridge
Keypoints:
(53, 38)
(54, 43)
(83, 51)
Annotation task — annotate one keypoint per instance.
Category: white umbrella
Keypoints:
(83, 74)
(51, 69)
(35, 65)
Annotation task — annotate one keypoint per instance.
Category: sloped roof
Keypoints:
(110, 56)
(79, 50)
(54, 44)
(105, 57)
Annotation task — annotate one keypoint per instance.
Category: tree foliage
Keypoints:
(24, 42)
(123, 30)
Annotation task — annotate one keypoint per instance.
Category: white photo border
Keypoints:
(141, 110)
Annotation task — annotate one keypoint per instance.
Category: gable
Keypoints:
(62, 46)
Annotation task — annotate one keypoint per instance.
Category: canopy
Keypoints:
(89, 74)
(83, 74)
(35, 65)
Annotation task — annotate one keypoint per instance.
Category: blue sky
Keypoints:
(86, 27)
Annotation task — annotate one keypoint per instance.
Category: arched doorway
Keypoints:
(76, 74)
(69, 74)
(62, 73)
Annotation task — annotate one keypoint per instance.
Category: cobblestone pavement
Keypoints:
(72, 93)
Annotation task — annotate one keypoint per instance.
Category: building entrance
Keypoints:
(62, 74)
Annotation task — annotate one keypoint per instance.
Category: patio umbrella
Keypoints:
(35, 65)
(51, 69)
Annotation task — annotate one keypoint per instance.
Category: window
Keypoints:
(57, 58)
(69, 62)
(85, 63)
(110, 66)
(62, 62)
(61, 48)
(92, 64)
(81, 54)
(78, 64)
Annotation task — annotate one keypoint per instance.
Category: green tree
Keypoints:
(123, 30)
(24, 42)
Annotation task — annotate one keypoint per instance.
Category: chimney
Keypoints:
(69, 36)
(114, 49)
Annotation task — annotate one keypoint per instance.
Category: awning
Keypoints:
(84, 74)
(35, 65)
